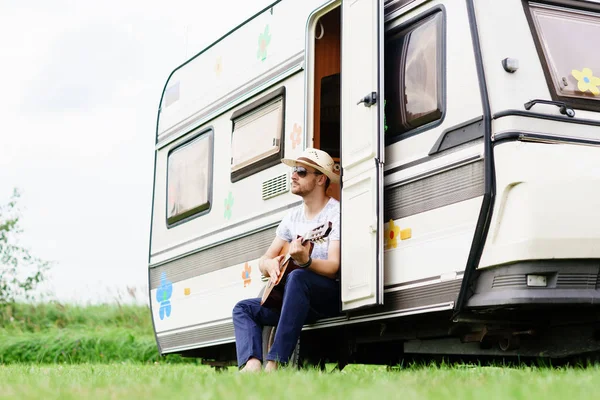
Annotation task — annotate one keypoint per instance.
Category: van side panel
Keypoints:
(548, 204)
(432, 198)
(254, 53)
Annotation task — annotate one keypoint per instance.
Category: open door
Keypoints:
(362, 153)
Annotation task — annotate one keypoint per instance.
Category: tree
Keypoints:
(20, 272)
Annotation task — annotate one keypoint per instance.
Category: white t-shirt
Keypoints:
(295, 223)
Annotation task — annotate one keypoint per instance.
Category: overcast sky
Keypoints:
(81, 83)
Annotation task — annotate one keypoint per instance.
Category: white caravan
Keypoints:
(467, 135)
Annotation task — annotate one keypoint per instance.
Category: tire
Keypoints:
(268, 336)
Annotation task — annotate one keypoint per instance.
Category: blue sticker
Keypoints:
(163, 294)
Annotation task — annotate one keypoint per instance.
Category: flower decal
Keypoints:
(228, 206)
(296, 135)
(263, 42)
(219, 66)
(163, 294)
(587, 81)
(391, 235)
(246, 274)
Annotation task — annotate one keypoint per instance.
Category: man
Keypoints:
(312, 291)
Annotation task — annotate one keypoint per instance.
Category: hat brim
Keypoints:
(335, 178)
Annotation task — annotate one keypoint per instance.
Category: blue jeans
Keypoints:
(307, 297)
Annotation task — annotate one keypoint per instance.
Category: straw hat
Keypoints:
(318, 159)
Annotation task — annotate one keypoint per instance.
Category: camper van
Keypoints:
(467, 137)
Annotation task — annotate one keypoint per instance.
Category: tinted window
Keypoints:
(189, 174)
(567, 39)
(257, 137)
(414, 76)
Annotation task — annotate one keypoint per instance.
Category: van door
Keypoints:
(362, 154)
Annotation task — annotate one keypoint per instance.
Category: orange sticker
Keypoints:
(246, 274)
(296, 135)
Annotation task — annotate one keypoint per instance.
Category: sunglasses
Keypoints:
(301, 171)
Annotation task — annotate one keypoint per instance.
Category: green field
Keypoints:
(67, 334)
(56, 351)
(131, 381)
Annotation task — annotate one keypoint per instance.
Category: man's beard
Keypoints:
(297, 190)
(300, 190)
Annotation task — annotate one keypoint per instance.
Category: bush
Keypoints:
(20, 272)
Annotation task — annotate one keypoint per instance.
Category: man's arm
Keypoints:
(331, 266)
(328, 268)
(272, 252)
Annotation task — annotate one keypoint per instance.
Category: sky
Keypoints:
(81, 84)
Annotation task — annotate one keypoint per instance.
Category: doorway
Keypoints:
(327, 89)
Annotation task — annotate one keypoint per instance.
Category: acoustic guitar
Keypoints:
(273, 294)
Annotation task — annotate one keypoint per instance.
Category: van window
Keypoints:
(189, 178)
(572, 63)
(257, 137)
(414, 76)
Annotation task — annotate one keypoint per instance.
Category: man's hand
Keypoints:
(299, 252)
(271, 267)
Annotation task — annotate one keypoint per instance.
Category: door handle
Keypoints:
(369, 99)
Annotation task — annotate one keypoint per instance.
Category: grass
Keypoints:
(56, 351)
(22, 318)
(125, 381)
(79, 346)
(57, 333)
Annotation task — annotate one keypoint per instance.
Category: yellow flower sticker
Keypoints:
(391, 235)
(587, 81)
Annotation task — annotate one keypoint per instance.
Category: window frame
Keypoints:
(391, 5)
(414, 22)
(271, 160)
(197, 211)
(574, 102)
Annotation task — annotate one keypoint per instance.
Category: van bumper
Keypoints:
(539, 282)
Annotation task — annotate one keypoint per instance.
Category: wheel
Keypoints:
(509, 343)
(268, 336)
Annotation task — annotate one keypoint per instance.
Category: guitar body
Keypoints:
(273, 294)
